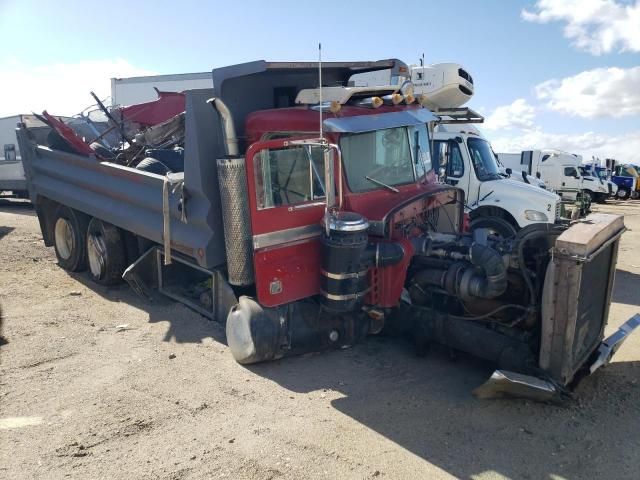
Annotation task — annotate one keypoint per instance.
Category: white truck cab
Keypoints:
(466, 160)
(559, 170)
(595, 188)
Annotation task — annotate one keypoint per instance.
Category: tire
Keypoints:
(495, 225)
(106, 252)
(102, 151)
(152, 165)
(623, 193)
(69, 230)
(601, 198)
(587, 196)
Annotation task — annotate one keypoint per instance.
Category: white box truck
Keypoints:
(492, 201)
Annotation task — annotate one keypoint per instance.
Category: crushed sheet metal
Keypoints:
(610, 345)
(516, 385)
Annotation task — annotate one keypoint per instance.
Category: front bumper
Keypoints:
(516, 385)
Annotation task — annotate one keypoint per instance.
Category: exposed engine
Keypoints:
(480, 293)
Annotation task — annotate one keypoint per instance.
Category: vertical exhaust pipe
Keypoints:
(230, 139)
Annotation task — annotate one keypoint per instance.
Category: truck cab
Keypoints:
(627, 178)
(595, 189)
(467, 161)
(559, 170)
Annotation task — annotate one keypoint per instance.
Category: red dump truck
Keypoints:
(308, 217)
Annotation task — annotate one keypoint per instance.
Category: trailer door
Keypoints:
(287, 204)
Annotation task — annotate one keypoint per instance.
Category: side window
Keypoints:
(10, 152)
(570, 172)
(456, 164)
(288, 176)
(435, 154)
(419, 138)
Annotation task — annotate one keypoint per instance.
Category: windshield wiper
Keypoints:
(382, 184)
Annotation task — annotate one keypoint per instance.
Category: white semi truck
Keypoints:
(561, 171)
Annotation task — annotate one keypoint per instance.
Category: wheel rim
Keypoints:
(63, 234)
(621, 192)
(97, 252)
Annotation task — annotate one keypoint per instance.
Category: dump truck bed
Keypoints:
(133, 199)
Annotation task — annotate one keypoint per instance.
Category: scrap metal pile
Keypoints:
(147, 136)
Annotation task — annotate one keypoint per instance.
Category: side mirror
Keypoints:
(509, 171)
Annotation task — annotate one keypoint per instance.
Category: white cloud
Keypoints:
(60, 88)
(623, 147)
(597, 26)
(518, 114)
(611, 92)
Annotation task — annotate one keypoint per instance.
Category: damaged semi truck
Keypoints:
(307, 239)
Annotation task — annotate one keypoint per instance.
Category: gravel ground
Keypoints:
(163, 398)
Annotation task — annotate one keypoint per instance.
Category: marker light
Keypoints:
(393, 99)
(408, 99)
(371, 102)
(335, 106)
(406, 88)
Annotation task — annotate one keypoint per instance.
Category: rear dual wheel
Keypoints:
(105, 252)
(80, 241)
(69, 229)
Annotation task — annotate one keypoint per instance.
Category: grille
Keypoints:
(234, 200)
(592, 305)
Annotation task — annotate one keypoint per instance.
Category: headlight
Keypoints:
(535, 216)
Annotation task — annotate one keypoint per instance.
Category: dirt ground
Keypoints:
(163, 398)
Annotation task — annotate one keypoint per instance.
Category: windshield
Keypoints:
(483, 159)
(386, 158)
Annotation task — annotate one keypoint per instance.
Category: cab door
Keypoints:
(287, 204)
(449, 155)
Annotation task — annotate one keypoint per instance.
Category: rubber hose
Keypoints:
(494, 283)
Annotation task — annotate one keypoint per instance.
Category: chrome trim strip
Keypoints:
(289, 235)
(350, 296)
(343, 276)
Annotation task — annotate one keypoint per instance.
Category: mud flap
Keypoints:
(142, 275)
(610, 345)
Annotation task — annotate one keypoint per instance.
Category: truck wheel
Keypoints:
(495, 225)
(69, 229)
(623, 193)
(152, 165)
(587, 196)
(106, 252)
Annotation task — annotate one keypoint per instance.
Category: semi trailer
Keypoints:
(308, 217)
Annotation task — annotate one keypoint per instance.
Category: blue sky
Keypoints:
(510, 48)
